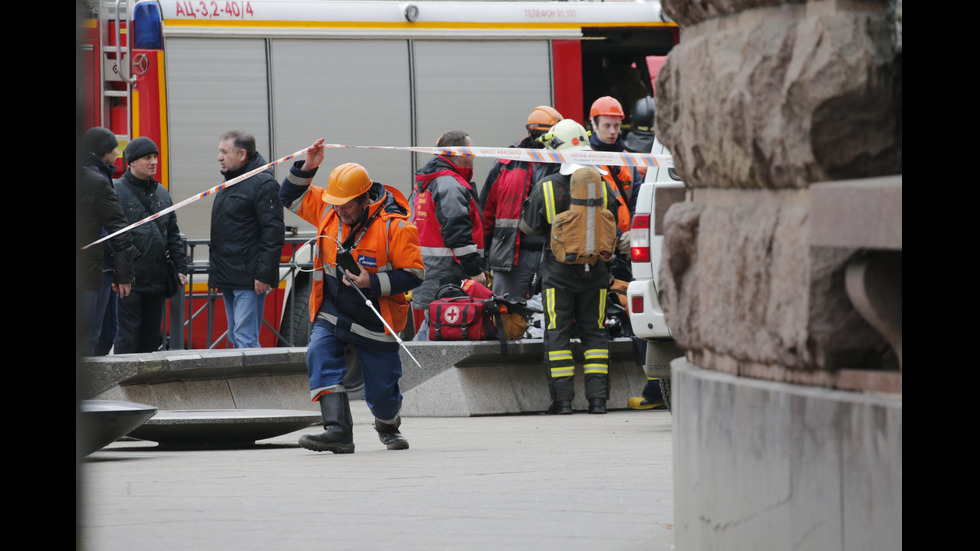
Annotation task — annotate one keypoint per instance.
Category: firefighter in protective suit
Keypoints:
(573, 295)
(364, 239)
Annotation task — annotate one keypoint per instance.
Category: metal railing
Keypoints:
(187, 311)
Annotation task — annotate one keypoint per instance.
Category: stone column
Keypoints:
(761, 102)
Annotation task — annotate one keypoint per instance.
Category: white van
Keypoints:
(661, 188)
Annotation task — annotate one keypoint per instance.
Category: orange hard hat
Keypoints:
(607, 105)
(347, 182)
(542, 118)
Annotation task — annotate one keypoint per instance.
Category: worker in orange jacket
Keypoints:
(364, 240)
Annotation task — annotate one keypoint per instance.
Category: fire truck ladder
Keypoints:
(114, 22)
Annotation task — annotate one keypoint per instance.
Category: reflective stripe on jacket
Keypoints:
(508, 184)
(450, 227)
(502, 212)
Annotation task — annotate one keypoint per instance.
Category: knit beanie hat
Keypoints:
(140, 147)
(99, 140)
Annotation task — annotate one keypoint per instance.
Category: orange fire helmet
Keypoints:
(607, 105)
(347, 182)
(542, 118)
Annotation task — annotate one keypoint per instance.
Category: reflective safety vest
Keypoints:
(620, 179)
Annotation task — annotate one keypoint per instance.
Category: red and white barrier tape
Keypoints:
(600, 158)
(609, 158)
(193, 198)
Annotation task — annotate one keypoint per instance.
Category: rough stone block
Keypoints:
(745, 293)
(758, 99)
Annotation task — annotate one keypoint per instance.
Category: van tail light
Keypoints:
(640, 238)
(636, 305)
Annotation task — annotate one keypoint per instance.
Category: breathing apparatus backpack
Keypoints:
(586, 232)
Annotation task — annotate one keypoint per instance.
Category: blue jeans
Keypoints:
(87, 331)
(109, 306)
(93, 305)
(243, 308)
(381, 369)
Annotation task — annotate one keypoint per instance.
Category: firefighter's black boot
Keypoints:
(562, 392)
(338, 432)
(560, 407)
(389, 435)
(597, 391)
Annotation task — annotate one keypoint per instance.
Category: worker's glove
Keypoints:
(623, 247)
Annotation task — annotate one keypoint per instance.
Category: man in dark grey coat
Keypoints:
(247, 235)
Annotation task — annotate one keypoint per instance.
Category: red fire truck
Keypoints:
(387, 73)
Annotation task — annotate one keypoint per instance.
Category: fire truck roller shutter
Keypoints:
(482, 87)
(353, 92)
(485, 88)
(202, 105)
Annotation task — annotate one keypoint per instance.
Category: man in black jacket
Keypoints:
(247, 234)
(97, 211)
(99, 205)
(141, 313)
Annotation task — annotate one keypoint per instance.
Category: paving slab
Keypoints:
(535, 482)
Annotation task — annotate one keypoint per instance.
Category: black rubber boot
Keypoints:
(560, 407)
(597, 405)
(562, 392)
(389, 435)
(338, 432)
(597, 391)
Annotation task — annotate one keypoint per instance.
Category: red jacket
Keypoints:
(507, 186)
(450, 227)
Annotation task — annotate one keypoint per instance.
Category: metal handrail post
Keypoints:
(190, 297)
(177, 321)
(177, 311)
(210, 332)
